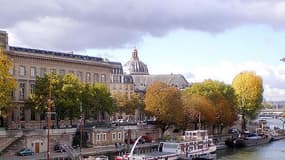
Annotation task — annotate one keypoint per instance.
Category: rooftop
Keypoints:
(54, 53)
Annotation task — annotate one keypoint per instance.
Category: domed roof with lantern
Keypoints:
(134, 66)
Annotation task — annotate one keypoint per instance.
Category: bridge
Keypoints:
(271, 113)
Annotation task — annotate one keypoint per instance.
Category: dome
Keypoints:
(135, 66)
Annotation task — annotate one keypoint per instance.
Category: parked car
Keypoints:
(233, 131)
(25, 152)
(59, 148)
(147, 139)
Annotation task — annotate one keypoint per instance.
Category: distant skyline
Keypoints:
(214, 39)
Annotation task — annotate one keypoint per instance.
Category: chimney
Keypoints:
(4, 40)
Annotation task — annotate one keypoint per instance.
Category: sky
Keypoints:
(201, 39)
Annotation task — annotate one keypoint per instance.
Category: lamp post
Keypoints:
(81, 128)
(48, 122)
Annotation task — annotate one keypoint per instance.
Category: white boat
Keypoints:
(147, 156)
(101, 157)
(194, 144)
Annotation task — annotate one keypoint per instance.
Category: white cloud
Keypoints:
(76, 25)
(273, 76)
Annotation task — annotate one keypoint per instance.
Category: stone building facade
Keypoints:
(29, 63)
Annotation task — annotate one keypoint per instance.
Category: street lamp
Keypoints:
(48, 122)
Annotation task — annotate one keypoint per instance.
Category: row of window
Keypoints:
(61, 72)
(103, 136)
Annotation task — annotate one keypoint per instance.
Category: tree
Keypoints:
(120, 101)
(197, 109)
(163, 102)
(249, 89)
(70, 96)
(127, 104)
(222, 98)
(104, 101)
(7, 84)
(38, 101)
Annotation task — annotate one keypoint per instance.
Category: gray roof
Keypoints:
(55, 53)
(143, 81)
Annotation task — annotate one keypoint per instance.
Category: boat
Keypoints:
(247, 140)
(147, 156)
(100, 157)
(194, 145)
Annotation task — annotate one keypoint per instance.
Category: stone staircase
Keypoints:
(15, 145)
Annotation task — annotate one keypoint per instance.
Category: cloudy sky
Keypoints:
(200, 39)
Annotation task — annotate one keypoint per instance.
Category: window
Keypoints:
(32, 87)
(97, 137)
(113, 136)
(104, 137)
(42, 116)
(71, 72)
(13, 116)
(52, 70)
(79, 75)
(103, 78)
(22, 91)
(22, 71)
(119, 135)
(12, 93)
(96, 77)
(33, 72)
(42, 72)
(11, 71)
(88, 78)
(33, 115)
(22, 113)
(62, 72)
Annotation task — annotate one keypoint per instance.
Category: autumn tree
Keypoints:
(138, 102)
(7, 83)
(120, 101)
(222, 98)
(164, 103)
(249, 89)
(196, 109)
(128, 104)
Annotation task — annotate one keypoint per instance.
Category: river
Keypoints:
(271, 151)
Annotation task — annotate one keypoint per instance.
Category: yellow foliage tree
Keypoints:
(197, 108)
(164, 103)
(7, 83)
(248, 89)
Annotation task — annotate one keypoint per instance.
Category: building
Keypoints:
(30, 63)
(120, 82)
(142, 79)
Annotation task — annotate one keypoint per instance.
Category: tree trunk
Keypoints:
(243, 125)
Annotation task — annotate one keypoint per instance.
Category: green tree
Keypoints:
(163, 102)
(128, 105)
(103, 102)
(7, 84)
(70, 96)
(249, 89)
(38, 101)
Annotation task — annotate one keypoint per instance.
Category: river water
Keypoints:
(272, 151)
